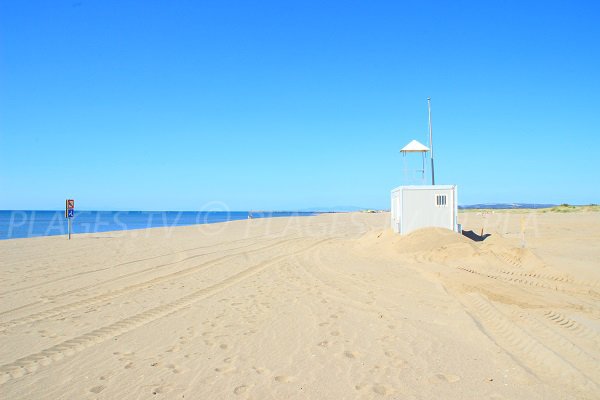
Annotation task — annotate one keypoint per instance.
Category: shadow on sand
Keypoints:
(475, 237)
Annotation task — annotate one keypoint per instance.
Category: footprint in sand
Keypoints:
(174, 368)
(97, 389)
(381, 390)
(225, 370)
(240, 389)
(174, 349)
(284, 379)
(260, 370)
(451, 378)
(351, 354)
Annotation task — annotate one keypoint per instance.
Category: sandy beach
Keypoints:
(327, 307)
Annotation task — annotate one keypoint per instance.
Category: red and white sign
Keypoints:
(70, 204)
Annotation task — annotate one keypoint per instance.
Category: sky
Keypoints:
(289, 105)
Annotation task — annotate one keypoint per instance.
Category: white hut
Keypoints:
(422, 206)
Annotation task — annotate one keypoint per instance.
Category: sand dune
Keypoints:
(333, 306)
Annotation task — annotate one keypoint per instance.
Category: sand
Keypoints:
(327, 307)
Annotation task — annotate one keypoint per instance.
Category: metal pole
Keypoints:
(423, 170)
(431, 141)
(69, 227)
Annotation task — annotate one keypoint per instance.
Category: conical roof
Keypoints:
(414, 146)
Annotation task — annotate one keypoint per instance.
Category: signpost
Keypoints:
(69, 213)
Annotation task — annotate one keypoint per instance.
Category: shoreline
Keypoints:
(53, 223)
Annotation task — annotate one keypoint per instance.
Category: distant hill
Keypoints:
(497, 206)
(505, 206)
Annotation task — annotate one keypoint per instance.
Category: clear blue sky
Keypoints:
(294, 104)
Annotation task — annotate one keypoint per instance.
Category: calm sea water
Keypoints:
(25, 224)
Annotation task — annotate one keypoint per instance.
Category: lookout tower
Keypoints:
(414, 170)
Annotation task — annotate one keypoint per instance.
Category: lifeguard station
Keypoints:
(416, 205)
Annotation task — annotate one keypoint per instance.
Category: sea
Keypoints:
(16, 224)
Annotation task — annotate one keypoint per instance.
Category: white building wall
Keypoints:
(415, 207)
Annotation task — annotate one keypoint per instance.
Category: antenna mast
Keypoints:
(430, 141)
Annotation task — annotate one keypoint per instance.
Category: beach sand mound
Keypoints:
(427, 244)
(429, 239)
(437, 245)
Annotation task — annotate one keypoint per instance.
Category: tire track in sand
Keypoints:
(33, 362)
(573, 326)
(58, 310)
(562, 346)
(78, 274)
(517, 262)
(525, 349)
(535, 282)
